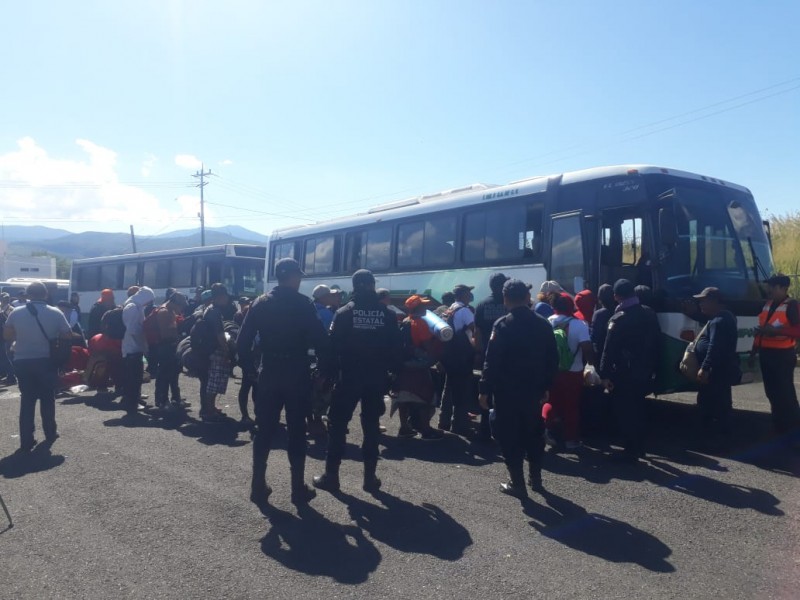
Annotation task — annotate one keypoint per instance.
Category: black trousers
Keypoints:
(628, 403)
(715, 401)
(37, 381)
(132, 378)
(286, 385)
(247, 388)
(518, 428)
(777, 370)
(456, 395)
(169, 370)
(346, 396)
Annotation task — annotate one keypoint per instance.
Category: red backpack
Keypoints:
(152, 331)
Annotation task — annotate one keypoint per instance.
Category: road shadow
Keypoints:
(453, 449)
(225, 433)
(22, 463)
(311, 544)
(407, 527)
(607, 538)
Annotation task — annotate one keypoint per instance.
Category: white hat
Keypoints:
(320, 291)
(551, 287)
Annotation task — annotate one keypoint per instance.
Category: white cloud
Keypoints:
(148, 164)
(37, 187)
(227, 162)
(188, 161)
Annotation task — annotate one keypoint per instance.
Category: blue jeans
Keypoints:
(37, 381)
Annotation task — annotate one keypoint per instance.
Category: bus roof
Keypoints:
(243, 250)
(480, 193)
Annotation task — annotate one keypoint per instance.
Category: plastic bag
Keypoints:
(590, 376)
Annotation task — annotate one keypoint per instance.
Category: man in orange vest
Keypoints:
(775, 343)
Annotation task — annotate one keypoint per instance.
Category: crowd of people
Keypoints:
(531, 370)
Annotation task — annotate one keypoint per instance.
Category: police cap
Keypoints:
(363, 278)
(516, 290)
(286, 267)
(497, 280)
(624, 289)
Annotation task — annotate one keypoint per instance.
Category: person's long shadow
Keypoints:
(452, 449)
(311, 544)
(598, 535)
(424, 529)
(22, 463)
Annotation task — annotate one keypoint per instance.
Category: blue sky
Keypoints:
(309, 110)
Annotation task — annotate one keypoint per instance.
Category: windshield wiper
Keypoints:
(758, 267)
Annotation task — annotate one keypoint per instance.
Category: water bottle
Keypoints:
(438, 326)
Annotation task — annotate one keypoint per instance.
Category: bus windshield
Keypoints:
(720, 242)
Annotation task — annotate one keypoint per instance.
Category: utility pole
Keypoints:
(133, 240)
(201, 174)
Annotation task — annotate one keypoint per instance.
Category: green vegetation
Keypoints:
(786, 245)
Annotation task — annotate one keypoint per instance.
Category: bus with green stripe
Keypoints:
(674, 231)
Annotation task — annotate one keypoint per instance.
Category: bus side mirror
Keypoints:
(667, 228)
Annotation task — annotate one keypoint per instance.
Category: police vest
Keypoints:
(779, 320)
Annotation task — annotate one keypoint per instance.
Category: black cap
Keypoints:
(780, 280)
(287, 266)
(463, 289)
(218, 290)
(624, 289)
(514, 289)
(710, 292)
(496, 281)
(362, 278)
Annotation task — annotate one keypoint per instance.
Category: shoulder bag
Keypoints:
(690, 366)
(60, 348)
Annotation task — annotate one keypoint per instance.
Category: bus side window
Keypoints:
(353, 251)
(531, 238)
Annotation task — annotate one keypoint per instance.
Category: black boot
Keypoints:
(516, 484)
(535, 480)
(371, 481)
(259, 491)
(327, 481)
(301, 493)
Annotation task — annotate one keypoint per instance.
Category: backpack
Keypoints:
(112, 324)
(565, 356)
(202, 341)
(459, 350)
(152, 332)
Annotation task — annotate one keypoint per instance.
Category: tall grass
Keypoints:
(786, 245)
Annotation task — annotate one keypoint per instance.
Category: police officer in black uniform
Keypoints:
(366, 347)
(628, 364)
(288, 327)
(521, 362)
(487, 311)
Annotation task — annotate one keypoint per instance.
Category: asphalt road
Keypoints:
(151, 510)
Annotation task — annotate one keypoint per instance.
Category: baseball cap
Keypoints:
(205, 296)
(780, 280)
(462, 289)
(710, 292)
(416, 300)
(320, 291)
(514, 289)
(383, 293)
(624, 288)
(363, 277)
(551, 287)
(497, 280)
(106, 295)
(287, 266)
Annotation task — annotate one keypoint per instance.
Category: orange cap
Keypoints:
(416, 300)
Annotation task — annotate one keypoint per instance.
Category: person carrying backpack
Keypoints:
(457, 359)
(208, 340)
(134, 347)
(574, 346)
(162, 332)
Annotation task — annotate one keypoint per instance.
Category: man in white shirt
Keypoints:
(563, 407)
(134, 347)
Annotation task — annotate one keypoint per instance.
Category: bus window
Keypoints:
(409, 244)
(319, 255)
(109, 276)
(503, 233)
(439, 249)
(181, 272)
(282, 250)
(156, 274)
(368, 249)
(566, 254)
(130, 275)
(87, 278)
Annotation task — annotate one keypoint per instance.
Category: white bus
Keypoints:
(239, 266)
(674, 231)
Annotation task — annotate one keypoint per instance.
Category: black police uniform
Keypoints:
(629, 360)
(487, 311)
(521, 363)
(366, 346)
(288, 327)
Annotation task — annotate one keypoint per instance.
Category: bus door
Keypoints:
(570, 238)
(624, 249)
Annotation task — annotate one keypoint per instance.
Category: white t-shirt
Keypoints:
(578, 332)
(463, 318)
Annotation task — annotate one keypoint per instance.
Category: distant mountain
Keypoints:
(34, 233)
(233, 230)
(92, 243)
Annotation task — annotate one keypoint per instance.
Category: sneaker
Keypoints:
(517, 491)
(211, 417)
(432, 435)
(406, 431)
(382, 428)
(28, 446)
(259, 495)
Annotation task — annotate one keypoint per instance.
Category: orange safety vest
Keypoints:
(779, 319)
